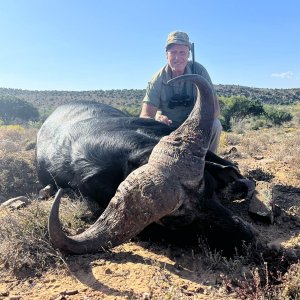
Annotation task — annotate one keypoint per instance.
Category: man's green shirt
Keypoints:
(159, 93)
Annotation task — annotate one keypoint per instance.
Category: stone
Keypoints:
(261, 205)
(258, 157)
(71, 292)
(16, 203)
(46, 192)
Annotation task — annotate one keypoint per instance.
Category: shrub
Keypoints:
(17, 176)
(277, 116)
(237, 108)
(25, 247)
(24, 242)
(12, 108)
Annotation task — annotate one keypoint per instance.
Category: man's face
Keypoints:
(177, 57)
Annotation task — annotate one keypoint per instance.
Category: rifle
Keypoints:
(193, 58)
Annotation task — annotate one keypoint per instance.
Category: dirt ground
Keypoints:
(149, 270)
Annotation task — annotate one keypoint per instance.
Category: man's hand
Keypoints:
(150, 111)
(163, 119)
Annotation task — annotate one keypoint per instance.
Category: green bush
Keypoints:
(133, 111)
(276, 115)
(235, 109)
(12, 108)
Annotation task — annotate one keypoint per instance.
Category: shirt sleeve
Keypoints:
(152, 93)
(155, 87)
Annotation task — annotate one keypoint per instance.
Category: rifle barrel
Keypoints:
(193, 57)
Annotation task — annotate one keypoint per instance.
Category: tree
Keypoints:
(12, 108)
(236, 108)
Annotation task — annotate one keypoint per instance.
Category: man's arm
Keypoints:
(149, 111)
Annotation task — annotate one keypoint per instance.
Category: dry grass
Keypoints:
(15, 138)
(24, 241)
(25, 247)
(18, 175)
(289, 146)
(17, 164)
(229, 139)
(280, 144)
(291, 283)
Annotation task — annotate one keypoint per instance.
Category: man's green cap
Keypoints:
(179, 38)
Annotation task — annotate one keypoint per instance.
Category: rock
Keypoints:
(16, 203)
(258, 157)
(261, 206)
(71, 292)
(232, 150)
(30, 146)
(232, 153)
(108, 271)
(46, 192)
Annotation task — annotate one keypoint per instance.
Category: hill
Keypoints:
(133, 97)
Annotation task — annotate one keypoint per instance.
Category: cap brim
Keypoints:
(178, 42)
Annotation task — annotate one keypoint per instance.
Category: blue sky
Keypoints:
(92, 45)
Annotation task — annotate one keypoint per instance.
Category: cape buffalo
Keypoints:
(138, 169)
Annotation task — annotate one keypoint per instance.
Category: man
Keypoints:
(171, 104)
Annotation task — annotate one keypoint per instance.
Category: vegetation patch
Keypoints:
(177, 272)
(13, 108)
(17, 175)
(24, 242)
(25, 248)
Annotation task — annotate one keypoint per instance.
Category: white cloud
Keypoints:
(283, 75)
